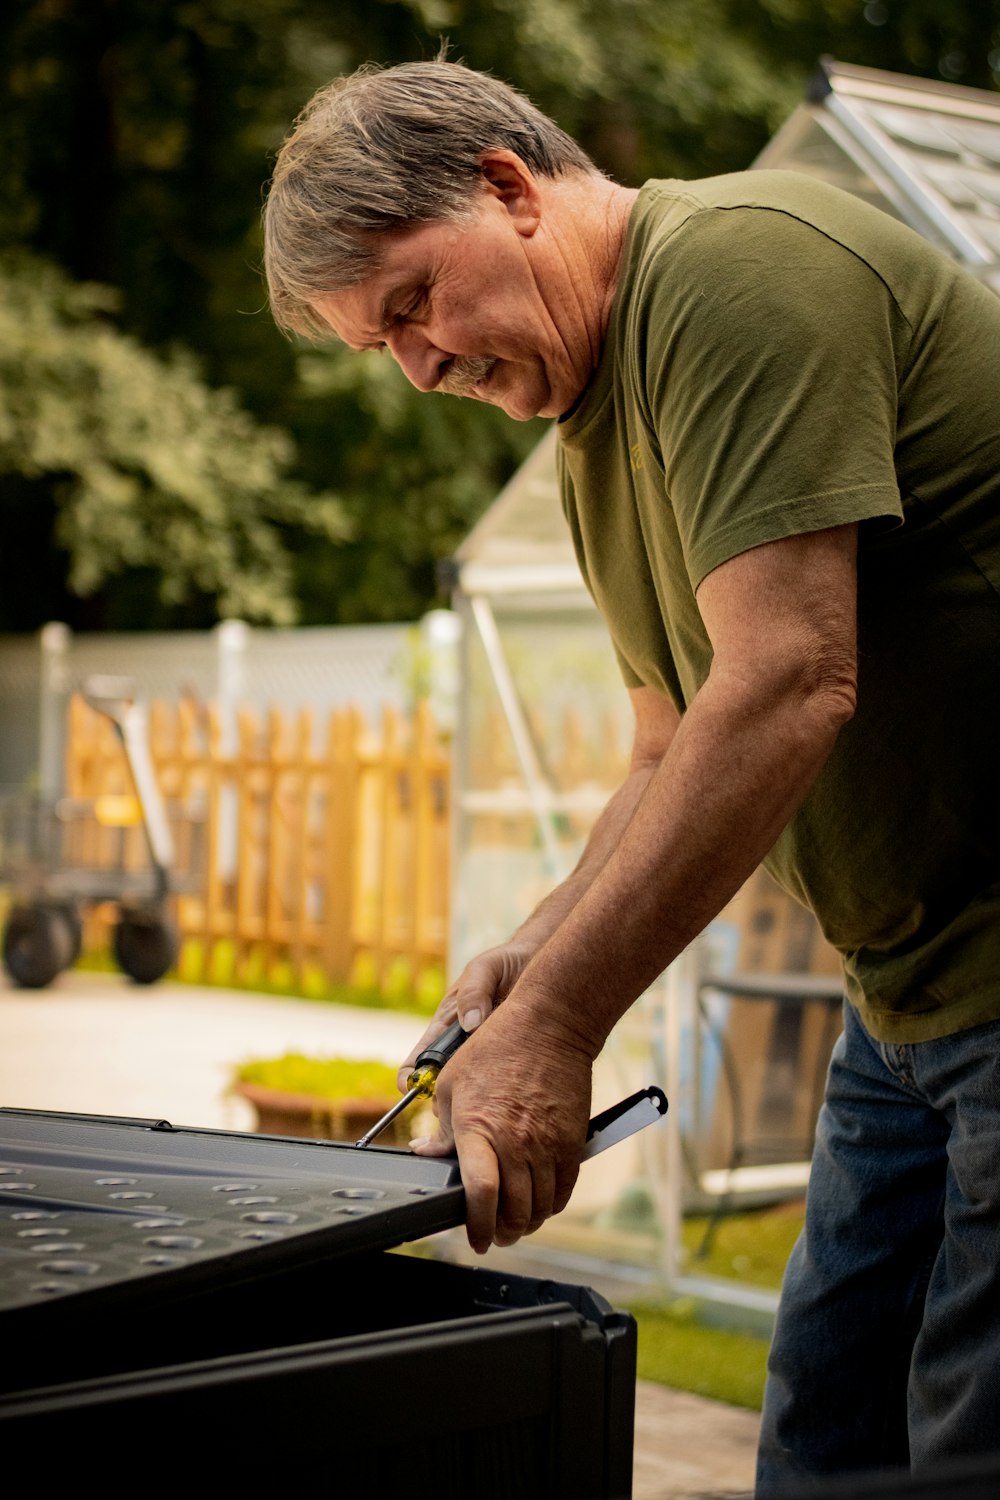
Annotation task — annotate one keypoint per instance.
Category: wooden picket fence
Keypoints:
(327, 865)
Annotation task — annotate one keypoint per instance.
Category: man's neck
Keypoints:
(620, 205)
(588, 219)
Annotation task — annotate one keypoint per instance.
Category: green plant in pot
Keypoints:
(326, 1098)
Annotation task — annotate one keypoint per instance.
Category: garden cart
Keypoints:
(60, 856)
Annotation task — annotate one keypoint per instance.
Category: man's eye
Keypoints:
(415, 307)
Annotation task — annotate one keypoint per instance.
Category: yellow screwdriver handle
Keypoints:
(433, 1058)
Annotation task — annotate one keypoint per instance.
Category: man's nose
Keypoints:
(420, 360)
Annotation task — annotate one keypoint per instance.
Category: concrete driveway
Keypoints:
(99, 1044)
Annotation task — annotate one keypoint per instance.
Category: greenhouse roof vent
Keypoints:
(925, 151)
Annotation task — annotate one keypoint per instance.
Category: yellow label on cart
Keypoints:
(117, 810)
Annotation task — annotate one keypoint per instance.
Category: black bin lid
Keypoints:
(104, 1208)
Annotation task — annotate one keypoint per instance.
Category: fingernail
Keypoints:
(471, 1019)
(418, 1141)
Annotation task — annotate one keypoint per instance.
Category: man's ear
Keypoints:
(507, 178)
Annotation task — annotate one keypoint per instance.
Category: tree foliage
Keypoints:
(146, 467)
(957, 41)
(414, 472)
(136, 139)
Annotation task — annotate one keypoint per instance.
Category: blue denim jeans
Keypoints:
(886, 1352)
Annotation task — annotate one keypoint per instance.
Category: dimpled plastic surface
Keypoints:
(90, 1205)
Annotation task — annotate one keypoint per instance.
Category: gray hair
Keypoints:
(383, 150)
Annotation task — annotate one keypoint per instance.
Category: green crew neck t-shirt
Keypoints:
(782, 357)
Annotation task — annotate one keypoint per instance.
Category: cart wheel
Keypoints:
(66, 914)
(145, 947)
(37, 945)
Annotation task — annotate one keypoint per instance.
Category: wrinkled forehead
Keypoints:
(402, 262)
(375, 251)
(355, 311)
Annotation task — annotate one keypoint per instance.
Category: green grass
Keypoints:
(220, 966)
(680, 1348)
(677, 1350)
(400, 990)
(749, 1247)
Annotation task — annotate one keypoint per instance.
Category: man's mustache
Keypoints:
(465, 374)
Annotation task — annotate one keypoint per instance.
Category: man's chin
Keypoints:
(494, 390)
(520, 400)
(518, 414)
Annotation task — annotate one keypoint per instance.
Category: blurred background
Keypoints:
(167, 459)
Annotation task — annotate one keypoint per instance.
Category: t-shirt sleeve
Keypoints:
(770, 359)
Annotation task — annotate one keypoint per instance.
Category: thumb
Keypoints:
(443, 1143)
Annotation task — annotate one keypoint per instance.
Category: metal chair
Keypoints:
(792, 994)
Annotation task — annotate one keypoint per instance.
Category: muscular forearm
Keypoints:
(488, 978)
(604, 839)
(733, 776)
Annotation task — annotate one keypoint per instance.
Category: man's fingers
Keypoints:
(502, 1205)
(543, 1181)
(470, 1000)
(443, 1142)
(481, 1180)
(476, 989)
(505, 1201)
(515, 1206)
(432, 1145)
(493, 1216)
(519, 1157)
(565, 1182)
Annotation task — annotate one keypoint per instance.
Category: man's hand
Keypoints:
(514, 1103)
(483, 983)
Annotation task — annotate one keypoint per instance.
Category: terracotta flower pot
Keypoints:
(315, 1118)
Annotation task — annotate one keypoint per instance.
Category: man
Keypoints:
(779, 453)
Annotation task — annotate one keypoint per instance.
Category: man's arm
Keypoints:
(515, 1099)
(489, 977)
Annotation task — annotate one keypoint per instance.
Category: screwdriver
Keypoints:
(422, 1079)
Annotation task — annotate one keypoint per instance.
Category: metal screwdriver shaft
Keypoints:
(422, 1079)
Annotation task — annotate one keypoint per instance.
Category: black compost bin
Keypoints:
(183, 1306)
